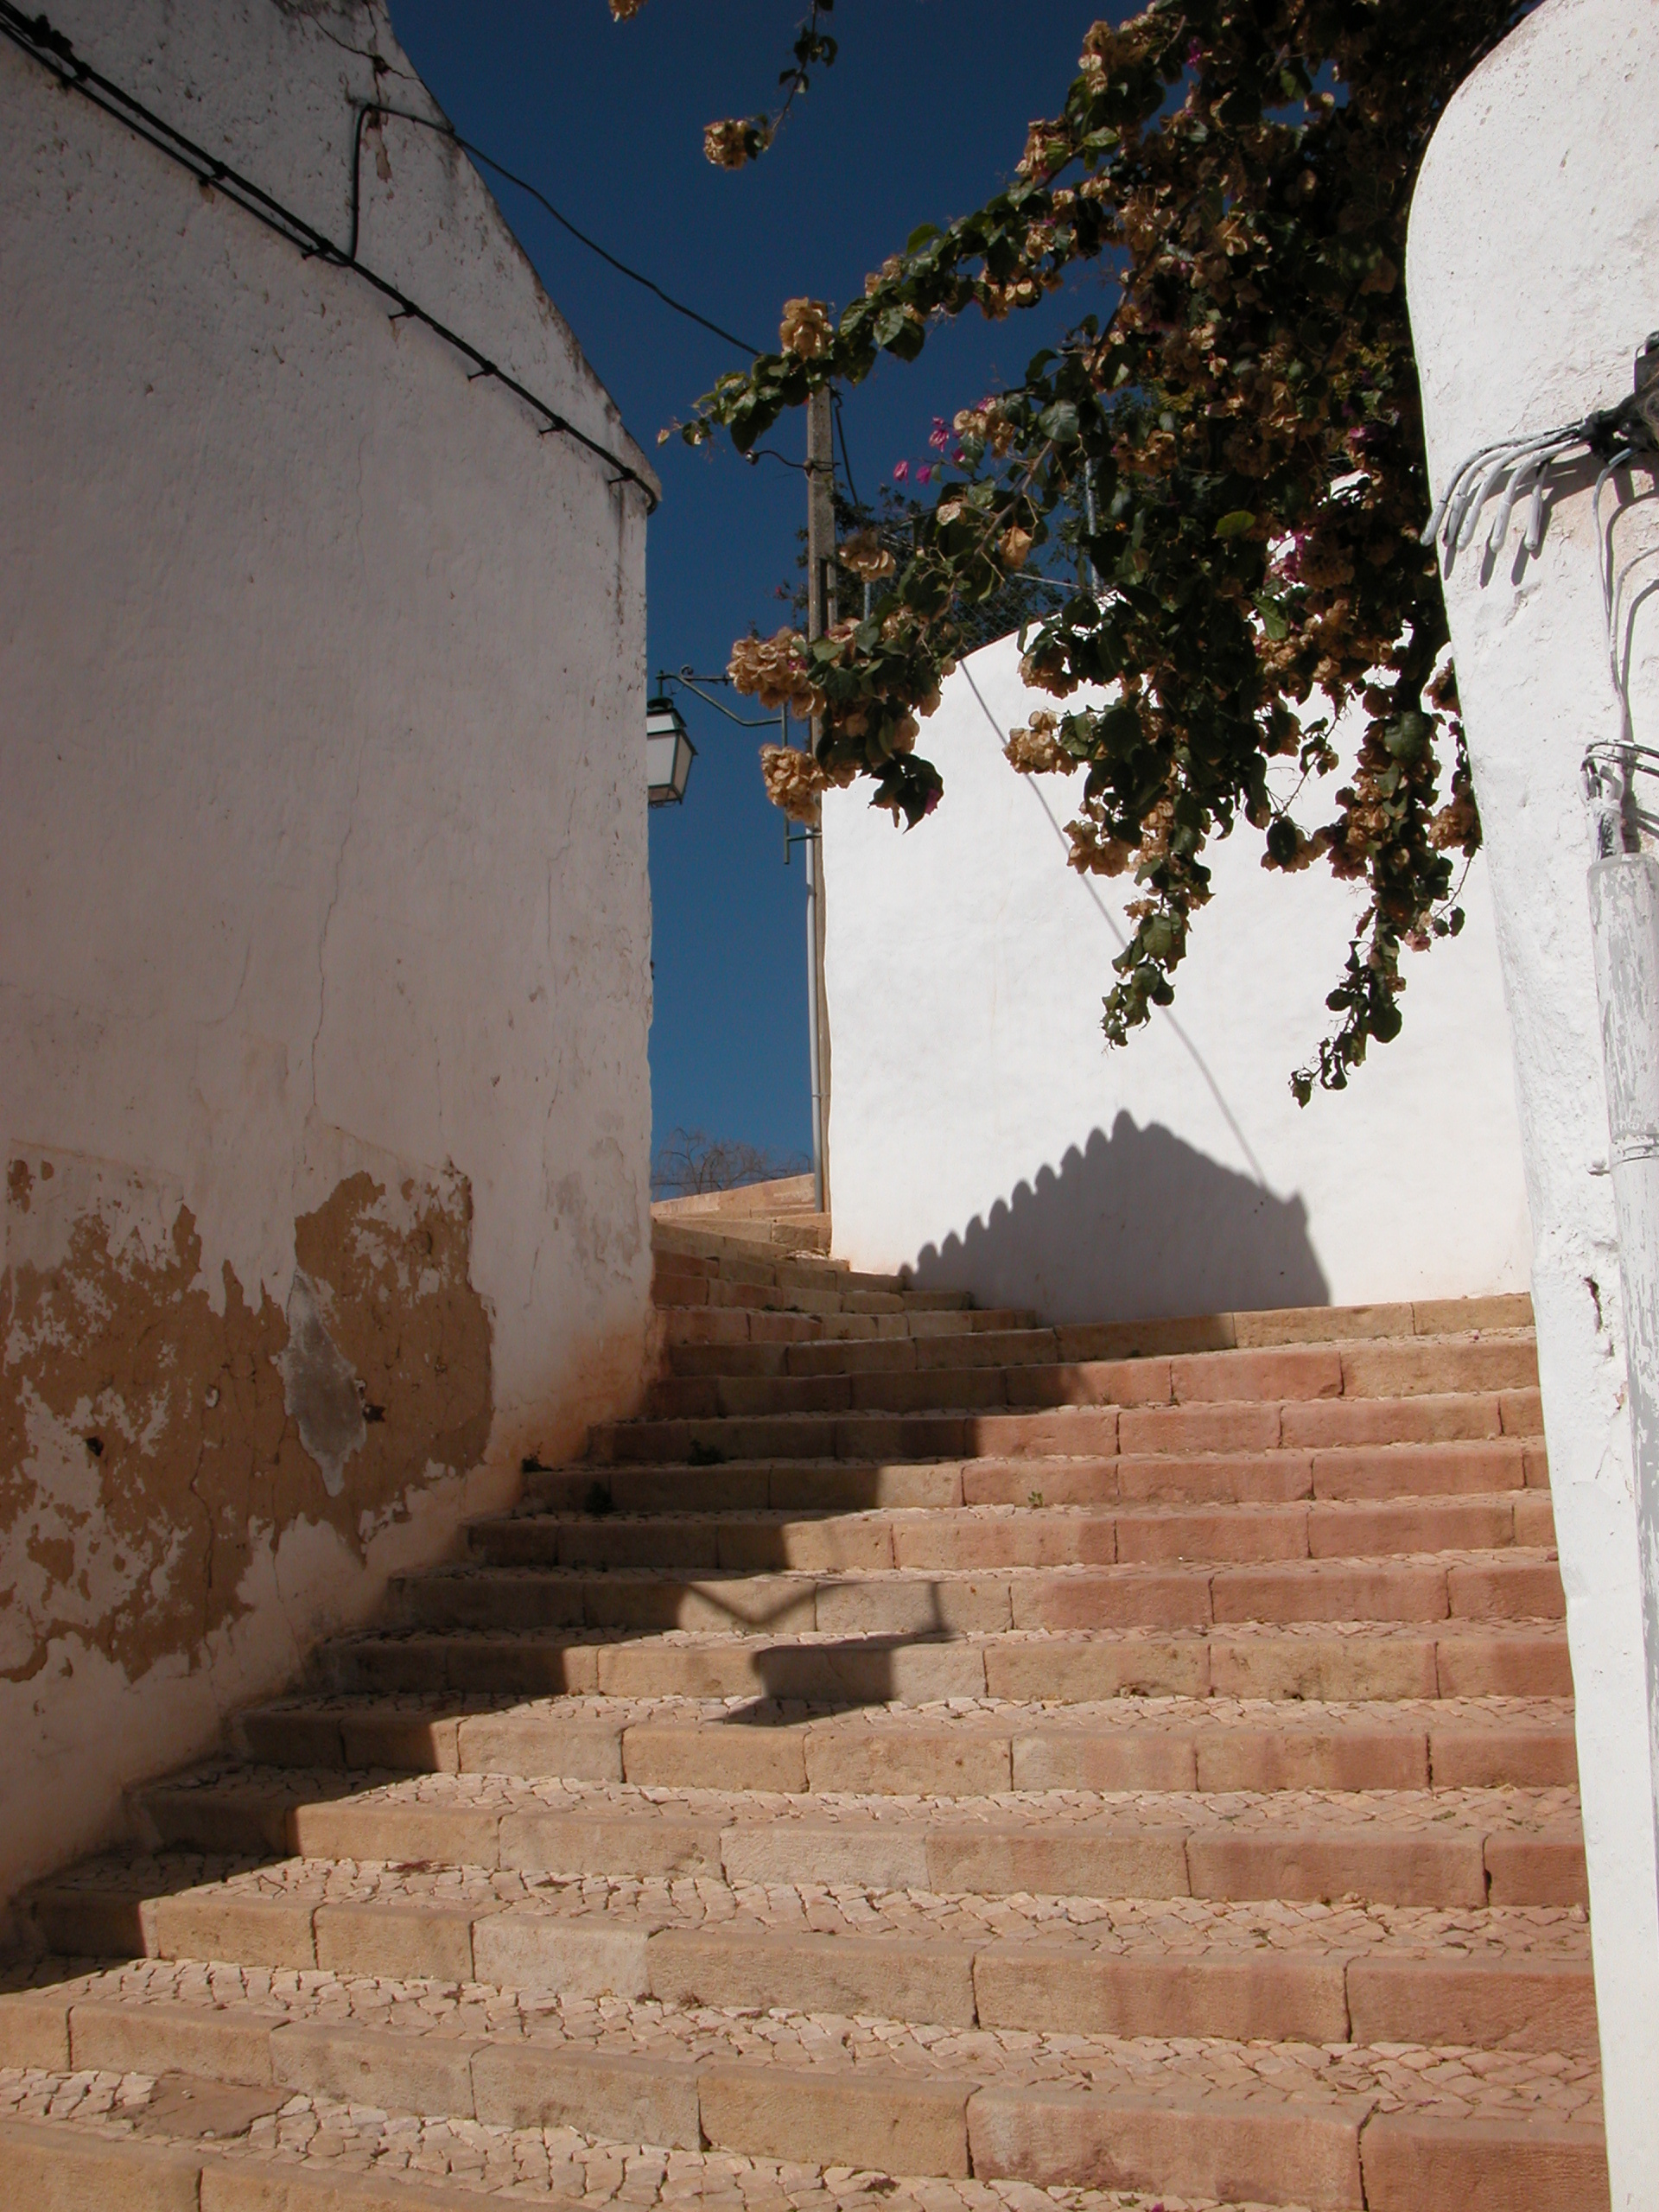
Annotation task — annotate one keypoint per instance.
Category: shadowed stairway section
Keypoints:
(929, 1757)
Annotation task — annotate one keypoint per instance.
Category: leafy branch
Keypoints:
(733, 143)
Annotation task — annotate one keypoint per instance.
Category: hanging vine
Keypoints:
(1243, 427)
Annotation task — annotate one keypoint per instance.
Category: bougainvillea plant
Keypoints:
(1232, 458)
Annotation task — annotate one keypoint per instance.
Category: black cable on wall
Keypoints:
(37, 37)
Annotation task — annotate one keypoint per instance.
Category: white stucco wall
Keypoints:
(324, 917)
(1533, 275)
(981, 1132)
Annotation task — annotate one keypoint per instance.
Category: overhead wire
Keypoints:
(444, 129)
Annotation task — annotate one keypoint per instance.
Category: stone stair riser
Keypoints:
(952, 1338)
(1282, 1996)
(1073, 1669)
(1072, 1432)
(1287, 1376)
(733, 1326)
(1393, 2163)
(821, 1756)
(1421, 1866)
(1035, 1537)
(1496, 1586)
(1342, 1474)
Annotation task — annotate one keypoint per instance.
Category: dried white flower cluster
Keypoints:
(1036, 750)
(774, 671)
(866, 556)
(806, 330)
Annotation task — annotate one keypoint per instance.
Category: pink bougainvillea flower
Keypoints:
(933, 798)
(956, 458)
(1194, 55)
(939, 435)
(901, 469)
(924, 476)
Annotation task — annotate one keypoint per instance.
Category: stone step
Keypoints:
(1078, 1432)
(129, 2142)
(1319, 1974)
(1280, 2123)
(1487, 1465)
(804, 1236)
(1465, 1848)
(955, 1345)
(1377, 1660)
(1206, 1744)
(734, 1326)
(987, 1536)
(1510, 1584)
(1357, 1367)
(1295, 1325)
(1423, 1367)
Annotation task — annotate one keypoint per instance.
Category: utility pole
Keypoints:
(820, 615)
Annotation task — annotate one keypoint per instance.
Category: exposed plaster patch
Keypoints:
(216, 1432)
(319, 1387)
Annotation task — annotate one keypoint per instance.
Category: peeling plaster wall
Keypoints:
(324, 920)
(981, 1132)
(1532, 272)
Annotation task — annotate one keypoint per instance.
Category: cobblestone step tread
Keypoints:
(835, 2090)
(320, 2154)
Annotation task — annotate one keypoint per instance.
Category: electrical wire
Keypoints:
(447, 130)
(39, 38)
(846, 458)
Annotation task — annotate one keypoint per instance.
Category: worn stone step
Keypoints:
(1130, 1743)
(1277, 2123)
(1291, 1374)
(764, 1283)
(361, 2161)
(906, 1353)
(734, 1326)
(729, 1237)
(1512, 1583)
(1316, 1973)
(1012, 1340)
(1014, 1535)
(1486, 1465)
(1296, 1659)
(1079, 1431)
(1467, 1847)
(1296, 1324)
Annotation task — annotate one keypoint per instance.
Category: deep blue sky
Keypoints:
(922, 116)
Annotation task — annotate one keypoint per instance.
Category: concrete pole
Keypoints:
(1625, 922)
(820, 614)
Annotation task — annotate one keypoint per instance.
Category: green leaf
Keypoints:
(1236, 525)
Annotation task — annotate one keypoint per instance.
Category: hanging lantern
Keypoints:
(669, 752)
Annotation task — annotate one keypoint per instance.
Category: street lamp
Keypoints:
(669, 752)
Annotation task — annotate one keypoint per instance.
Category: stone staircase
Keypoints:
(929, 1759)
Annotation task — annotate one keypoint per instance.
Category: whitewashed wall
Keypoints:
(324, 919)
(983, 1133)
(1533, 275)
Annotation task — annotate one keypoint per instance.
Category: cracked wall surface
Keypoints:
(325, 924)
(151, 1446)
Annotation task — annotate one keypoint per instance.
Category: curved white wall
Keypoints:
(983, 1133)
(1534, 276)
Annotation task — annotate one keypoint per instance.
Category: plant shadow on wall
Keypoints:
(1133, 1227)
